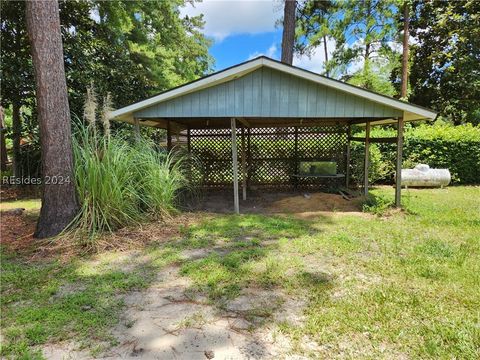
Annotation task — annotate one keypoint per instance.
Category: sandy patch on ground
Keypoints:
(314, 202)
(172, 321)
(299, 204)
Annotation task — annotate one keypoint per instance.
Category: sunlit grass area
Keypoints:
(30, 205)
(388, 284)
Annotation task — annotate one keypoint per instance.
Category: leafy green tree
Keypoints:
(365, 31)
(365, 34)
(16, 71)
(131, 49)
(144, 47)
(313, 18)
(445, 73)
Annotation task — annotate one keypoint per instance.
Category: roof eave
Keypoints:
(211, 80)
(126, 113)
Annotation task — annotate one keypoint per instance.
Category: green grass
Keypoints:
(79, 301)
(30, 205)
(390, 284)
(405, 283)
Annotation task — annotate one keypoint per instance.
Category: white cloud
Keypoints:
(271, 52)
(228, 17)
(316, 60)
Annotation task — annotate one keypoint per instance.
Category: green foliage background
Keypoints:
(456, 148)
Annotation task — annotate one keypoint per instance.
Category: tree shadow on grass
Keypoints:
(236, 229)
(82, 301)
(53, 302)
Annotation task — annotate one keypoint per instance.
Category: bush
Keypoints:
(456, 148)
(377, 205)
(378, 168)
(120, 183)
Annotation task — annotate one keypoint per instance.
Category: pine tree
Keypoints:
(59, 202)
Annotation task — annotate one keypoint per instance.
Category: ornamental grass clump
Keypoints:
(120, 182)
(105, 185)
(161, 179)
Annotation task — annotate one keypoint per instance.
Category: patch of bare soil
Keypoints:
(17, 236)
(299, 204)
(172, 320)
(315, 202)
(144, 234)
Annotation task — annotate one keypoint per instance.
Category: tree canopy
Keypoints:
(444, 58)
(131, 49)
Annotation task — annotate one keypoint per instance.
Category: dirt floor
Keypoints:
(298, 203)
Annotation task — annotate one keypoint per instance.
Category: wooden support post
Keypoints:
(367, 162)
(398, 175)
(244, 167)
(235, 166)
(169, 136)
(189, 149)
(347, 160)
(137, 129)
(295, 159)
(249, 157)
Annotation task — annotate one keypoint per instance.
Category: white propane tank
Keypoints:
(423, 176)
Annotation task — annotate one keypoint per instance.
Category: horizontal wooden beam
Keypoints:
(279, 133)
(376, 140)
(244, 122)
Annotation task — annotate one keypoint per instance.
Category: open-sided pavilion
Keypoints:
(285, 118)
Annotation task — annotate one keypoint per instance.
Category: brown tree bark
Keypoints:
(325, 48)
(288, 36)
(406, 24)
(59, 202)
(3, 144)
(16, 136)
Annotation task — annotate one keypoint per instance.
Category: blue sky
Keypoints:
(243, 29)
(240, 47)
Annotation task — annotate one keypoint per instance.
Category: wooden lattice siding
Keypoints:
(272, 155)
(268, 93)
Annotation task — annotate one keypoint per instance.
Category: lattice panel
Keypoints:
(212, 150)
(272, 155)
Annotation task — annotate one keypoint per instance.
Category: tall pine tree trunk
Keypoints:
(59, 203)
(406, 24)
(325, 48)
(288, 37)
(16, 136)
(3, 144)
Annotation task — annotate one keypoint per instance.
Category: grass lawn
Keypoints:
(396, 284)
(30, 205)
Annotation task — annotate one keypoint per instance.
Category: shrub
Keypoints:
(120, 183)
(377, 205)
(456, 148)
(378, 168)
